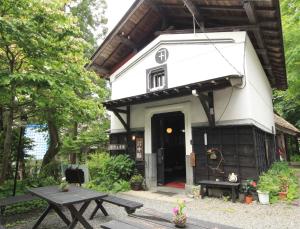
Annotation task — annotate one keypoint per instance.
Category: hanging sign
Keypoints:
(117, 147)
(139, 149)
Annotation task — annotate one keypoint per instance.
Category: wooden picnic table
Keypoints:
(57, 200)
(152, 219)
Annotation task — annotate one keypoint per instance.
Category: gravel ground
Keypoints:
(279, 215)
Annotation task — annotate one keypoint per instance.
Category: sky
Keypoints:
(116, 10)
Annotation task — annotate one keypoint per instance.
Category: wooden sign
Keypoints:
(117, 147)
(193, 159)
(139, 149)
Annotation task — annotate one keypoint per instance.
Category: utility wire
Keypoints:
(195, 20)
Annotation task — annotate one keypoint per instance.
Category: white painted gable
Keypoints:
(192, 58)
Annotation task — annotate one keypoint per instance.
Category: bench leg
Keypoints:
(129, 211)
(42, 217)
(202, 191)
(233, 194)
(98, 206)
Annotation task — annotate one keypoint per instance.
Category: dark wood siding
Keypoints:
(125, 138)
(243, 148)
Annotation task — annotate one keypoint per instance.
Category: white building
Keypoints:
(192, 104)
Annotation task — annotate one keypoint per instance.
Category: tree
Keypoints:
(91, 20)
(42, 74)
(287, 103)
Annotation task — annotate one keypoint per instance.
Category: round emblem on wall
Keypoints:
(161, 55)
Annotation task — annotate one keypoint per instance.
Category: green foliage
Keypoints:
(287, 103)
(295, 158)
(276, 179)
(109, 173)
(91, 20)
(22, 187)
(53, 169)
(138, 178)
(25, 207)
(43, 50)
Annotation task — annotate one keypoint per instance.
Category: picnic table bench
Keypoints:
(219, 184)
(130, 206)
(11, 200)
(152, 219)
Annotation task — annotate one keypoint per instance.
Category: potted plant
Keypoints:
(250, 189)
(242, 191)
(136, 182)
(283, 188)
(64, 186)
(264, 187)
(179, 217)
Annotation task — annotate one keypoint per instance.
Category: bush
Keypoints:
(275, 178)
(52, 169)
(138, 178)
(109, 173)
(22, 187)
(295, 158)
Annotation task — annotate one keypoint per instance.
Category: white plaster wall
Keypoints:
(192, 58)
(251, 104)
(233, 107)
(259, 91)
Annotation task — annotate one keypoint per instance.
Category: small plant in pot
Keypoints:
(64, 185)
(136, 182)
(284, 185)
(179, 217)
(264, 187)
(250, 189)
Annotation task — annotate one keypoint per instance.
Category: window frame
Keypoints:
(148, 78)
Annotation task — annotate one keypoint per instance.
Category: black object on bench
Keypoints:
(219, 184)
(13, 200)
(130, 206)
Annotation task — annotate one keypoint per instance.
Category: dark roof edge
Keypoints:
(116, 28)
(281, 37)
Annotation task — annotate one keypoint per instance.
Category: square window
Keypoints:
(156, 78)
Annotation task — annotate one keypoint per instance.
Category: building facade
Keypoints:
(190, 105)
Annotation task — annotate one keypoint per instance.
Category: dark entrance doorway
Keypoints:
(168, 142)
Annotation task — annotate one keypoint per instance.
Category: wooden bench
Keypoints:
(130, 206)
(11, 201)
(152, 219)
(219, 184)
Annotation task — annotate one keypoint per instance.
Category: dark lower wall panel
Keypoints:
(126, 139)
(247, 151)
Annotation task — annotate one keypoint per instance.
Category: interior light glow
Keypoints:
(169, 130)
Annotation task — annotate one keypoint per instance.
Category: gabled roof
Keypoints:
(284, 126)
(147, 19)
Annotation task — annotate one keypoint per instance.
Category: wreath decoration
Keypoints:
(212, 154)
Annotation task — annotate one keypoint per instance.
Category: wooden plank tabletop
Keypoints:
(74, 195)
(152, 219)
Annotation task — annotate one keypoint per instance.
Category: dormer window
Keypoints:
(156, 78)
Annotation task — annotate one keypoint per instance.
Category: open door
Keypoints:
(168, 143)
(158, 147)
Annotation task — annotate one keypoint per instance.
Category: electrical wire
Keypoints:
(225, 109)
(195, 19)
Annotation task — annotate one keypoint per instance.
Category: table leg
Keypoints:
(78, 216)
(98, 206)
(45, 213)
(61, 215)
